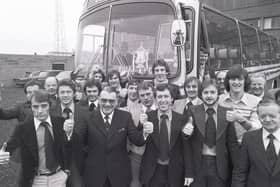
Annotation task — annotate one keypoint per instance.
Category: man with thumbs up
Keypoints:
(167, 157)
(44, 148)
(213, 140)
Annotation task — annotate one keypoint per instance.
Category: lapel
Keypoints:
(175, 129)
(221, 121)
(259, 148)
(31, 138)
(96, 116)
(115, 122)
(155, 121)
(199, 118)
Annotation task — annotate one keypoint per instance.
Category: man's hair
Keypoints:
(145, 86)
(110, 89)
(132, 82)
(92, 83)
(191, 79)
(237, 71)
(258, 75)
(163, 63)
(266, 101)
(40, 96)
(112, 73)
(49, 78)
(66, 82)
(163, 87)
(208, 82)
(100, 72)
(31, 83)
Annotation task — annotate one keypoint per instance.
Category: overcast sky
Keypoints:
(27, 26)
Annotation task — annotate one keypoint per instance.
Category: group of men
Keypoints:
(141, 136)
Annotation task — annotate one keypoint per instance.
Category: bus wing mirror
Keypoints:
(178, 33)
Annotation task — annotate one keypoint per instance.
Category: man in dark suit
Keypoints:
(21, 110)
(43, 146)
(105, 133)
(166, 161)
(50, 86)
(92, 90)
(259, 160)
(74, 114)
(213, 141)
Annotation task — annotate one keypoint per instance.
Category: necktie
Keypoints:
(91, 107)
(188, 105)
(163, 138)
(107, 124)
(51, 162)
(210, 136)
(270, 152)
(66, 113)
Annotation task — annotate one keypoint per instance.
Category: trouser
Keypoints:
(208, 175)
(135, 160)
(56, 180)
(160, 178)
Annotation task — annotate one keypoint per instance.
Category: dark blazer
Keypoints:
(226, 141)
(84, 104)
(79, 114)
(20, 111)
(253, 168)
(180, 156)
(25, 137)
(107, 152)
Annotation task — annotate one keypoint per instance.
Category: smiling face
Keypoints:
(192, 89)
(66, 95)
(164, 100)
(132, 92)
(108, 101)
(237, 85)
(269, 116)
(92, 93)
(257, 86)
(160, 73)
(210, 95)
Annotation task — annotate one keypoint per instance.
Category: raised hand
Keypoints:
(4, 156)
(188, 128)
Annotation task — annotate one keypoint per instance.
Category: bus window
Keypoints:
(91, 41)
(223, 40)
(250, 45)
(265, 52)
(145, 30)
(275, 50)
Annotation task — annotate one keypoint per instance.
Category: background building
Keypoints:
(264, 14)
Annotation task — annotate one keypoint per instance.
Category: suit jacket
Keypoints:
(180, 104)
(84, 104)
(25, 137)
(253, 168)
(107, 153)
(226, 141)
(20, 111)
(179, 156)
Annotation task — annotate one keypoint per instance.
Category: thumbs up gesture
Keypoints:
(188, 128)
(69, 125)
(148, 128)
(4, 156)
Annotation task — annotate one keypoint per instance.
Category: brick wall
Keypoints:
(15, 66)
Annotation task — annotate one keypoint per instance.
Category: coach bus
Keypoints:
(178, 31)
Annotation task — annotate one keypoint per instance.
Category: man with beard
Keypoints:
(92, 90)
(243, 105)
(213, 141)
(74, 114)
(51, 87)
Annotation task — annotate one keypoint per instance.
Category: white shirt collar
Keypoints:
(70, 107)
(276, 134)
(110, 116)
(244, 98)
(37, 122)
(95, 103)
